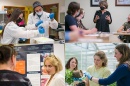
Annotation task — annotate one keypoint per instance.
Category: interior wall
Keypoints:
(59, 52)
(30, 2)
(118, 13)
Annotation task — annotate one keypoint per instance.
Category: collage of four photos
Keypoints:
(65, 43)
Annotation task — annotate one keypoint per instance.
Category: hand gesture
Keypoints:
(93, 30)
(41, 30)
(128, 30)
(88, 75)
(97, 17)
(107, 18)
(38, 23)
(51, 15)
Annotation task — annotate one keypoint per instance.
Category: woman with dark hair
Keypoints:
(12, 32)
(102, 17)
(122, 73)
(99, 69)
(8, 77)
(71, 22)
(35, 19)
(71, 66)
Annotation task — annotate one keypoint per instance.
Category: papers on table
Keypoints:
(90, 40)
(92, 35)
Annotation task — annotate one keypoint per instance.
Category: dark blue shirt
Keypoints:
(121, 75)
(69, 21)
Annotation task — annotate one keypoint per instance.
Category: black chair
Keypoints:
(56, 37)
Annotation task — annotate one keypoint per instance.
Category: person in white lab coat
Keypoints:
(12, 32)
(37, 15)
(53, 66)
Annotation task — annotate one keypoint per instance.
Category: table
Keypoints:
(41, 40)
(100, 38)
(121, 33)
(125, 35)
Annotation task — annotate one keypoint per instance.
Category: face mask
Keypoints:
(129, 22)
(18, 20)
(102, 8)
(77, 13)
(39, 13)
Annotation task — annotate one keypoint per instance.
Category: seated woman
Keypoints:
(8, 77)
(79, 21)
(53, 66)
(71, 22)
(125, 28)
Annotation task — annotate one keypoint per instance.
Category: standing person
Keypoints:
(40, 15)
(12, 32)
(122, 73)
(71, 22)
(8, 77)
(72, 65)
(53, 66)
(99, 69)
(102, 17)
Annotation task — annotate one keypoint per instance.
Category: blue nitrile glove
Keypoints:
(88, 75)
(41, 30)
(51, 15)
(67, 37)
(38, 23)
(77, 79)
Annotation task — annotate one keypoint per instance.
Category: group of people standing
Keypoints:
(38, 22)
(74, 27)
(98, 74)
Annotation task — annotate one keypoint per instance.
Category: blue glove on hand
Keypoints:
(41, 30)
(88, 75)
(51, 15)
(38, 23)
(77, 79)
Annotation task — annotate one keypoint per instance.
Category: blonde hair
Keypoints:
(55, 62)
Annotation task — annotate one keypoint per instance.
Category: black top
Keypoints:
(102, 24)
(69, 21)
(11, 78)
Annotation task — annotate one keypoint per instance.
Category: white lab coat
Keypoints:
(57, 80)
(13, 32)
(32, 20)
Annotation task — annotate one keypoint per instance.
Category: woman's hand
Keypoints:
(97, 17)
(108, 18)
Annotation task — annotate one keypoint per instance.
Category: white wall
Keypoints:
(118, 13)
(59, 52)
(30, 2)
